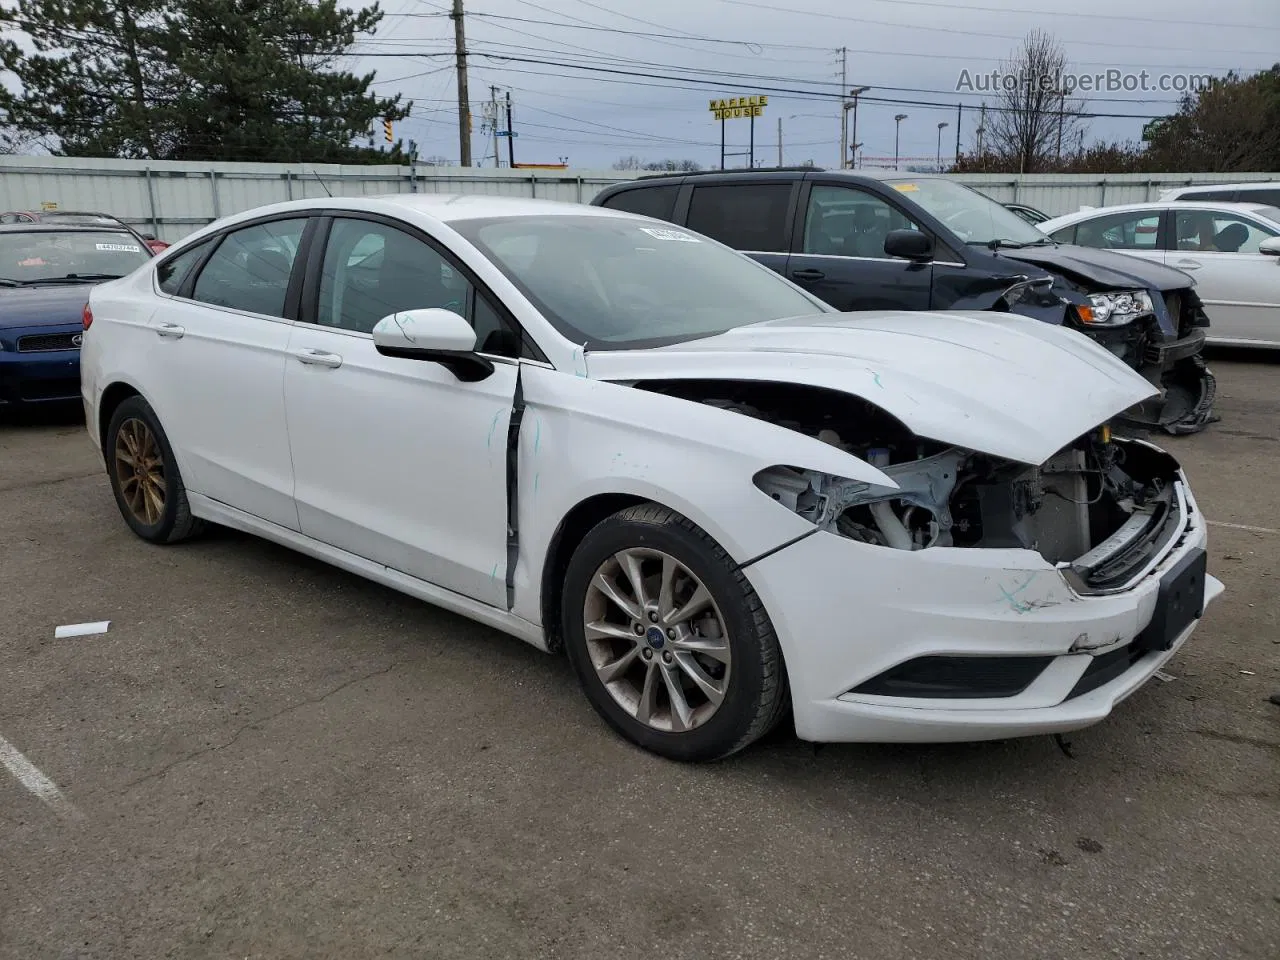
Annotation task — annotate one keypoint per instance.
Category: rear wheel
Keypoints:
(144, 476)
(670, 642)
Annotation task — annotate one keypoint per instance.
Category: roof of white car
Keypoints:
(449, 207)
(1204, 187)
(1254, 208)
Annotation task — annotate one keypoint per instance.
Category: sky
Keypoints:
(669, 58)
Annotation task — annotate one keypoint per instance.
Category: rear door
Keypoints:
(221, 337)
(1133, 232)
(750, 215)
(1240, 286)
(839, 251)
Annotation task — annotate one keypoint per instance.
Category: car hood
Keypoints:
(43, 306)
(996, 383)
(1106, 269)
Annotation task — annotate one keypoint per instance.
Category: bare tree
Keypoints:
(1034, 119)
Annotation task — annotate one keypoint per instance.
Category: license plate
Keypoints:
(1179, 603)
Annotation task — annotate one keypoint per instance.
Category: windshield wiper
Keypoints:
(69, 278)
(1001, 244)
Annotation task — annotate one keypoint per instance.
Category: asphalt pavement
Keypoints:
(268, 758)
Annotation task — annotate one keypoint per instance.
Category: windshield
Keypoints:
(620, 283)
(48, 255)
(974, 218)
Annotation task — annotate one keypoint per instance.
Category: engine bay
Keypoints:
(1097, 492)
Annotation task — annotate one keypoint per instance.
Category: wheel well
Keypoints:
(573, 528)
(112, 397)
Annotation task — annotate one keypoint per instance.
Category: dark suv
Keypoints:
(920, 242)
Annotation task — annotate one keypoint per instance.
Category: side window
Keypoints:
(250, 269)
(747, 216)
(173, 272)
(656, 202)
(1065, 235)
(1209, 231)
(1132, 230)
(372, 270)
(1269, 197)
(844, 222)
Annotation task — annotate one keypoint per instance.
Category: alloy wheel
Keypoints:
(657, 639)
(140, 471)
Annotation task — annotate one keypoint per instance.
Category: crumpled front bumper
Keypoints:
(846, 612)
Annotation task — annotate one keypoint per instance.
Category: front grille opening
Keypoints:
(1106, 668)
(40, 342)
(960, 678)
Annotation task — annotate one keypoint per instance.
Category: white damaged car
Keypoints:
(728, 504)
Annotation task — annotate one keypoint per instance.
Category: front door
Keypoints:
(840, 255)
(220, 342)
(1240, 286)
(396, 460)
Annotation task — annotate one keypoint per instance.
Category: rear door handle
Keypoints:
(1189, 264)
(171, 330)
(805, 276)
(318, 358)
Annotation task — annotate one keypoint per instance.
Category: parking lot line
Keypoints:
(30, 777)
(1241, 526)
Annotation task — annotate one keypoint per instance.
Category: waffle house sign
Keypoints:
(739, 108)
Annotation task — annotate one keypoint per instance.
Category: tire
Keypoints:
(135, 434)
(743, 667)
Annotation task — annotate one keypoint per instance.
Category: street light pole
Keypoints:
(897, 126)
(941, 126)
(853, 134)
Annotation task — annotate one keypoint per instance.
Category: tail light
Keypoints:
(87, 317)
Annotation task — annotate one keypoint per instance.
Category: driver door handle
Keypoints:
(807, 275)
(318, 358)
(171, 330)
(1189, 264)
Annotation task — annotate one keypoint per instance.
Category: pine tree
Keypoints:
(248, 80)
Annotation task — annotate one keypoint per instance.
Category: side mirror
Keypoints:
(148, 236)
(1270, 247)
(432, 334)
(909, 244)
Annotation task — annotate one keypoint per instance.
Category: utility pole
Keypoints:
(464, 102)
(493, 122)
(844, 114)
(779, 141)
(511, 137)
(941, 126)
(959, 123)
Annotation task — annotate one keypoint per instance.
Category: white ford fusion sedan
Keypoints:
(600, 433)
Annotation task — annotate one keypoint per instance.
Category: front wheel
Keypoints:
(670, 642)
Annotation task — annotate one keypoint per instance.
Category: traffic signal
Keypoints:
(386, 130)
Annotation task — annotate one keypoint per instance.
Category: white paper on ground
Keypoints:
(80, 629)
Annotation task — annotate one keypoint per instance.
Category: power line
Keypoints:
(1068, 13)
(968, 33)
(730, 82)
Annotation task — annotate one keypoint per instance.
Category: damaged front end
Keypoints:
(1103, 509)
(1161, 335)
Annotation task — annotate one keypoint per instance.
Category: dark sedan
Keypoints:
(45, 273)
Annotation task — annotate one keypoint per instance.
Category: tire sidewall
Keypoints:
(730, 723)
(135, 408)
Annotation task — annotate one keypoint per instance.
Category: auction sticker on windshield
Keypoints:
(659, 234)
(121, 247)
(906, 188)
